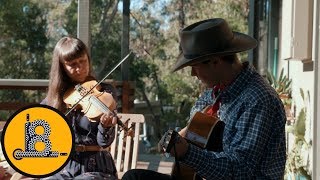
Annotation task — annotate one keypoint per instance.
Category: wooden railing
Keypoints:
(21, 84)
(125, 92)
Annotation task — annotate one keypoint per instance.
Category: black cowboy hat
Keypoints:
(210, 37)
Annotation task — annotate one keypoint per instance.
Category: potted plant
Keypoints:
(298, 156)
(282, 85)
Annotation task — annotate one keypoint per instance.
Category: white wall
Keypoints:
(296, 45)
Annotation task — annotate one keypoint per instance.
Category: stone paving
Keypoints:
(155, 162)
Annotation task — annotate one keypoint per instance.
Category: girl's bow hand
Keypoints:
(108, 120)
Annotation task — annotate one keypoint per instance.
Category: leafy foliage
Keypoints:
(296, 161)
(105, 48)
(22, 46)
(282, 85)
(155, 40)
(24, 40)
(30, 29)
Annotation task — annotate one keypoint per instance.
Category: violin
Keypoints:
(93, 102)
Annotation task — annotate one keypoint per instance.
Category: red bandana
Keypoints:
(212, 110)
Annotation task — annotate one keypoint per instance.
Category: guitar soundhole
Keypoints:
(215, 140)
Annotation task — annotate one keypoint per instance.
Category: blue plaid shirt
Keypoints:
(254, 136)
(203, 101)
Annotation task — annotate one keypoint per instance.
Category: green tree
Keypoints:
(155, 39)
(23, 35)
(22, 45)
(105, 24)
(29, 30)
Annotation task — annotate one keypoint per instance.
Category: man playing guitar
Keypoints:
(253, 143)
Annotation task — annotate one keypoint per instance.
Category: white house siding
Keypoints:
(296, 46)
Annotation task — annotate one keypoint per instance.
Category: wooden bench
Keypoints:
(125, 150)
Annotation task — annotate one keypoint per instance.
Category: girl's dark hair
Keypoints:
(67, 49)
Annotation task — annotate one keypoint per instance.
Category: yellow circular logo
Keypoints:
(37, 141)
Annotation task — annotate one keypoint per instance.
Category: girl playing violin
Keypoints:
(71, 65)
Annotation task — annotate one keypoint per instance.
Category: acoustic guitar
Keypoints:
(203, 131)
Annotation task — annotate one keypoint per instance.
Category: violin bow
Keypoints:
(105, 77)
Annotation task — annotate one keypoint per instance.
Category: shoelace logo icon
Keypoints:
(35, 136)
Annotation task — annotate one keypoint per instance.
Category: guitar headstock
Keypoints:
(168, 139)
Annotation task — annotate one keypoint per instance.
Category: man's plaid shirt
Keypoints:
(254, 144)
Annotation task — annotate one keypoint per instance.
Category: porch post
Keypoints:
(253, 30)
(316, 123)
(83, 28)
(125, 39)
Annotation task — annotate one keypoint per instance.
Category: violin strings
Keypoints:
(102, 107)
(105, 77)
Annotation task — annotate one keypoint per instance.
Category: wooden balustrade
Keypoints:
(125, 92)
